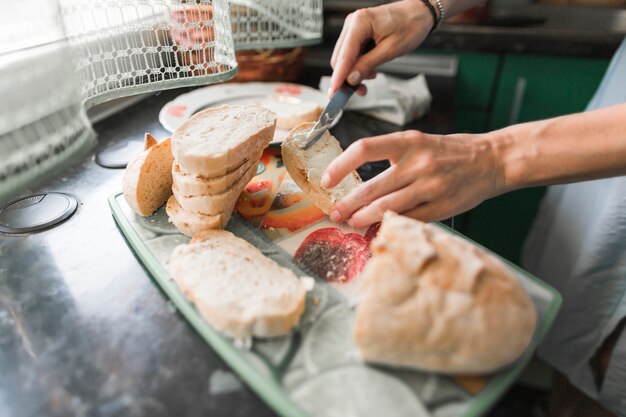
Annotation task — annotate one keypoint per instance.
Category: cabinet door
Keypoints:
(532, 88)
(543, 87)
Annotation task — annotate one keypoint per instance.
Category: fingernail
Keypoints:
(354, 78)
(325, 181)
(329, 93)
(335, 216)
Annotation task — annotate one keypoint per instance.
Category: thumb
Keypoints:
(367, 63)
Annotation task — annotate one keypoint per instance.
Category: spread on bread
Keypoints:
(306, 167)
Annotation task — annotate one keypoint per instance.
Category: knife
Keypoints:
(330, 113)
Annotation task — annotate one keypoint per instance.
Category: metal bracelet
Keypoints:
(442, 11)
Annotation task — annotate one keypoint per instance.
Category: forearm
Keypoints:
(565, 149)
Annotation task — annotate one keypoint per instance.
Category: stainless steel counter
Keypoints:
(84, 331)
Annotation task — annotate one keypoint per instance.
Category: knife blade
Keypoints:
(330, 113)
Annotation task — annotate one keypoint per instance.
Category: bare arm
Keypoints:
(433, 177)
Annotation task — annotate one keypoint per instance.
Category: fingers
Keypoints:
(361, 90)
(399, 201)
(387, 182)
(342, 36)
(366, 64)
(430, 212)
(363, 150)
(357, 31)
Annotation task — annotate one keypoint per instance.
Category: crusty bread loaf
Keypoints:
(190, 223)
(290, 114)
(189, 184)
(147, 181)
(433, 301)
(215, 203)
(307, 166)
(217, 140)
(236, 288)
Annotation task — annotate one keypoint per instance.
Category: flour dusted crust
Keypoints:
(236, 288)
(306, 167)
(147, 181)
(217, 140)
(433, 301)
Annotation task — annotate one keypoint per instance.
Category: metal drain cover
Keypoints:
(36, 212)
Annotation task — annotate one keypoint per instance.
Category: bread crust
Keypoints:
(211, 204)
(220, 163)
(433, 301)
(146, 173)
(267, 302)
(189, 184)
(298, 170)
(189, 223)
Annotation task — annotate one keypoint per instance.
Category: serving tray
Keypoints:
(315, 371)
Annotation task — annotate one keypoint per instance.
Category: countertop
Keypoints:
(84, 331)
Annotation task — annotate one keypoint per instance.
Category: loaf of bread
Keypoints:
(290, 113)
(147, 181)
(218, 140)
(433, 301)
(215, 203)
(236, 288)
(306, 167)
(189, 184)
(190, 223)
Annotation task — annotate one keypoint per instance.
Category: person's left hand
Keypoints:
(432, 177)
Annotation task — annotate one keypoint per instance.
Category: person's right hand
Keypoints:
(396, 29)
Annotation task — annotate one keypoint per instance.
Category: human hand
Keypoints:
(432, 177)
(396, 28)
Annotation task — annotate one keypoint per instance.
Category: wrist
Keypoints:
(511, 158)
(420, 13)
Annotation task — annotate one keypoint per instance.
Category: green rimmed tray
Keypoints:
(314, 368)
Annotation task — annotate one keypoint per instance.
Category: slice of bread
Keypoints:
(292, 113)
(147, 181)
(218, 140)
(189, 184)
(236, 288)
(190, 223)
(434, 301)
(215, 203)
(307, 166)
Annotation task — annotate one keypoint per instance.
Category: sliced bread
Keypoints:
(236, 288)
(434, 301)
(218, 140)
(189, 184)
(307, 166)
(190, 223)
(147, 181)
(290, 113)
(215, 203)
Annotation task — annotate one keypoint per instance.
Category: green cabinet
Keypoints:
(529, 88)
(494, 90)
(544, 87)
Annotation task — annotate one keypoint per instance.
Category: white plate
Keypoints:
(177, 111)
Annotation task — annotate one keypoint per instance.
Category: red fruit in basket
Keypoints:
(332, 255)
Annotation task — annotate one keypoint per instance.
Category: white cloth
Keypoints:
(578, 245)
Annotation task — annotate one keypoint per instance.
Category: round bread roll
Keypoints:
(433, 301)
